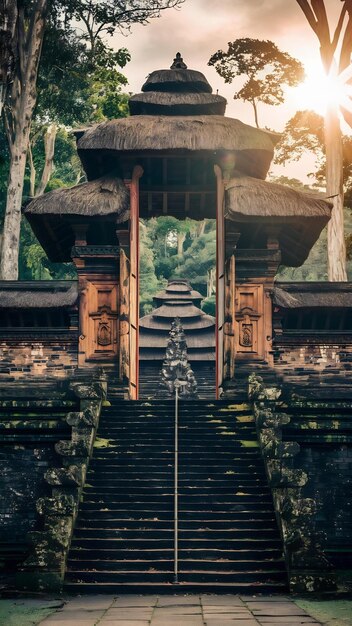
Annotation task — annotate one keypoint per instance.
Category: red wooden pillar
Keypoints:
(133, 186)
(220, 281)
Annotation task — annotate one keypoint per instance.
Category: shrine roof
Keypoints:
(313, 294)
(160, 134)
(296, 217)
(104, 196)
(46, 294)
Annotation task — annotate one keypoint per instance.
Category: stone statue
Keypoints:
(176, 365)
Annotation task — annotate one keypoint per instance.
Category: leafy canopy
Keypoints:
(266, 67)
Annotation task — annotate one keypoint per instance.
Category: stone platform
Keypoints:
(189, 610)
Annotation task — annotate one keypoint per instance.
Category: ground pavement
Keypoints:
(194, 610)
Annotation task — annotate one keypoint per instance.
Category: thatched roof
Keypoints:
(198, 326)
(53, 294)
(168, 103)
(182, 80)
(163, 324)
(104, 196)
(312, 295)
(53, 215)
(254, 148)
(298, 217)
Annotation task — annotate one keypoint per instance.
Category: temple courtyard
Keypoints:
(188, 610)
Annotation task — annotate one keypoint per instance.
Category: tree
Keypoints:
(20, 103)
(8, 16)
(32, 16)
(267, 70)
(340, 41)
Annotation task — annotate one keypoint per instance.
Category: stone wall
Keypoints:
(44, 354)
(47, 431)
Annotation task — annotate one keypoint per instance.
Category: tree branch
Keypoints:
(309, 14)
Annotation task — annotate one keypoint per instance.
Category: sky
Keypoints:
(201, 27)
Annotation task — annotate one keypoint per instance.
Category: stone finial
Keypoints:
(178, 63)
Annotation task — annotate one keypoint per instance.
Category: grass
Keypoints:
(26, 612)
(329, 612)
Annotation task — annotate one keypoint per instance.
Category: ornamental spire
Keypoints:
(178, 63)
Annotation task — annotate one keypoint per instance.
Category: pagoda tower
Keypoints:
(178, 300)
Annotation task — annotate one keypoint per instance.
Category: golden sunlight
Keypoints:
(319, 90)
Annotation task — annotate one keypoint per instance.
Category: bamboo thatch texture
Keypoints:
(248, 197)
(37, 294)
(104, 196)
(311, 295)
(177, 80)
(169, 103)
(165, 133)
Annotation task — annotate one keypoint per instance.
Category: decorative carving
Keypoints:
(246, 335)
(178, 63)
(104, 333)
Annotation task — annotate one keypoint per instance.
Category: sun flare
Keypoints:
(319, 91)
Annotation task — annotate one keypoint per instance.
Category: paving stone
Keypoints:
(207, 600)
(279, 611)
(87, 602)
(230, 622)
(52, 621)
(124, 622)
(166, 600)
(143, 613)
(288, 619)
(75, 615)
(227, 614)
(179, 610)
(134, 600)
(264, 598)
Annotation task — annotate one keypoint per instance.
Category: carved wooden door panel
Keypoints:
(124, 318)
(249, 328)
(100, 340)
(229, 325)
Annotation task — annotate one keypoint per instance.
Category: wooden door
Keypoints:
(249, 328)
(230, 316)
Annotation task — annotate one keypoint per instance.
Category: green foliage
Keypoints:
(159, 258)
(209, 305)
(198, 258)
(315, 267)
(266, 67)
(148, 282)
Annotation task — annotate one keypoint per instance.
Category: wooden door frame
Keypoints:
(134, 284)
(133, 186)
(220, 282)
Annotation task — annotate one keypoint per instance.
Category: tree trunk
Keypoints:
(211, 287)
(33, 172)
(8, 17)
(49, 147)
(19, 111)
(255, 113)
(180, 241)
(334, 189)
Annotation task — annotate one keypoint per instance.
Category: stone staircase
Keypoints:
(228, 538)
(149, 380)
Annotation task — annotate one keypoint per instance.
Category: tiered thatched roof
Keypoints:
(312, 295)
(297, 218)
(197, 133)
(104, 196)
(46, 294)
(199, 328)
(53, 214)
